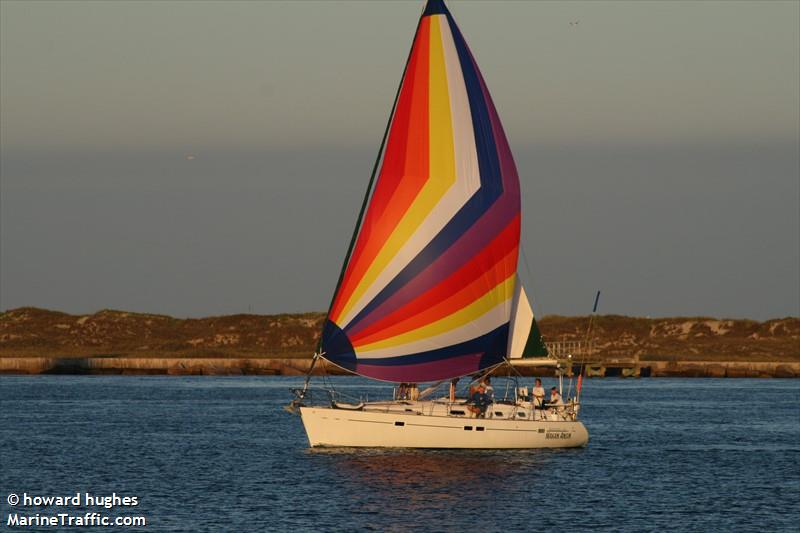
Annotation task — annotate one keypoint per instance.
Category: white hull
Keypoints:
(410, 428)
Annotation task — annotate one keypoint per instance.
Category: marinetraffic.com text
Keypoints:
(81, 509)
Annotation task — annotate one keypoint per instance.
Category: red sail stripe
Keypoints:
(404, 170)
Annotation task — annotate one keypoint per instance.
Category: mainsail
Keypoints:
(428, 289)
(525, 340)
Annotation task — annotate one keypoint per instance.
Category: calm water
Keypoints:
(220, 454)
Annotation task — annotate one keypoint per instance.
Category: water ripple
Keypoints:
(220, 454)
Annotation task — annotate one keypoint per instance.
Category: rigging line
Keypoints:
(530, 280)
(513, 369)
(326, 383)
(516, 375)
(371, 182)
(308, 374)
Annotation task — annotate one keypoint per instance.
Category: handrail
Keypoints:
(337, 400)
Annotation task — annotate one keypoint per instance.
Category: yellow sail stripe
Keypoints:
(441, 171)
(500, 293)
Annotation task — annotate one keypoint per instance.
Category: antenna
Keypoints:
(586, 343)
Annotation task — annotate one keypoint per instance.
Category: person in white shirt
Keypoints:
(555, 400)
(538, 393)
(487, 384)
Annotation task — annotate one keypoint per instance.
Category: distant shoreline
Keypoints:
(39, 341)
(300, 366)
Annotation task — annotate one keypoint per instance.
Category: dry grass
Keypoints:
(41, 333)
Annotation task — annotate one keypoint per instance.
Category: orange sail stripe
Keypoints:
(403, 174)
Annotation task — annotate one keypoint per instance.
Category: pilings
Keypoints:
(708, 369)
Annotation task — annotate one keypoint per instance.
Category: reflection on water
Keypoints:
(398, 468)
(437, 482)
(432, 478)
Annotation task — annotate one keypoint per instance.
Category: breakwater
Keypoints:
(299, 366)
(178, 366)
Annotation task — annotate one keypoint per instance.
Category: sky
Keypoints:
(207, 158)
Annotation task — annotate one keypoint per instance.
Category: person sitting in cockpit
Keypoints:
(555, 403)
(478, 401)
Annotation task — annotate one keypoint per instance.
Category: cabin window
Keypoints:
(467, 428)
(399, 423)
(457, 412)
(541, 430)
(521, 415)
(498, 413)
(479, 428)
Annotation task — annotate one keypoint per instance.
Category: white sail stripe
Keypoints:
(466, 184)
(521, 322)
(489, 321)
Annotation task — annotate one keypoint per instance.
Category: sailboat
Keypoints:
(429, 290)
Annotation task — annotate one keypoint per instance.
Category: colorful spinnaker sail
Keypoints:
(428, 290)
